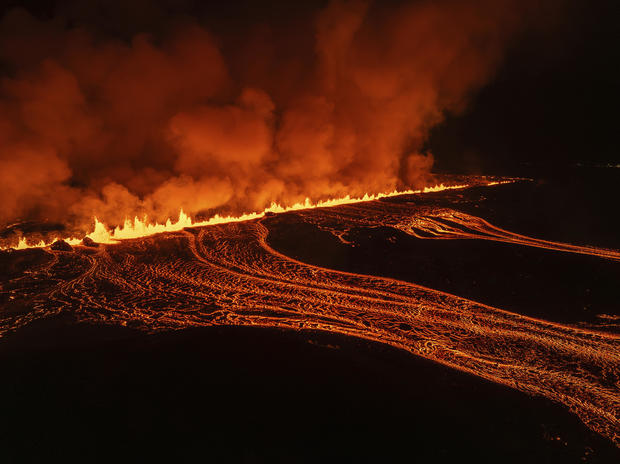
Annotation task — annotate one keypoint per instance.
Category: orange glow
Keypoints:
(85, 135)
(142, 228)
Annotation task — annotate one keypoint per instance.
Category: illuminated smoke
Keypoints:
(95, 126)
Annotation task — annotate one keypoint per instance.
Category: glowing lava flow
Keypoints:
(230, 275)
(142, 228)
(449, 224)
(432, 223)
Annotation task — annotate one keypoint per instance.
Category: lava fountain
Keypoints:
(143, 228)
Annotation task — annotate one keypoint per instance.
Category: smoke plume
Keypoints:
(97, 125)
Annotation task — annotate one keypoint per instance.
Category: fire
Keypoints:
(83, 135)
(137, 227)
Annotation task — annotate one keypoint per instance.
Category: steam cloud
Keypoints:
(91, 125)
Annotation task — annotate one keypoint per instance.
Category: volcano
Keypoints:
(287, 335)
(313, 231)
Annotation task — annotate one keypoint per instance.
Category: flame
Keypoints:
(142, 228)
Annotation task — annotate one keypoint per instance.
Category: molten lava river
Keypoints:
(234, 274)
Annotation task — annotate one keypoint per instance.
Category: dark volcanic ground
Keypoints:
(263, 395)
(94, 393)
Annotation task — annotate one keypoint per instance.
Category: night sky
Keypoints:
(552, 104)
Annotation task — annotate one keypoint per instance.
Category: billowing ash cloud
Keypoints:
(92, 125)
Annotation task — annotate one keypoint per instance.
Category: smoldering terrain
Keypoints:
(556, 350)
